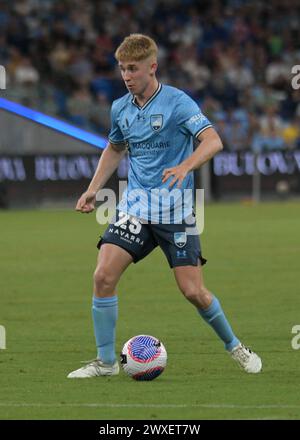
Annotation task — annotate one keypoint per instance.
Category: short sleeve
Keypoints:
(115, 136)
(189, 116)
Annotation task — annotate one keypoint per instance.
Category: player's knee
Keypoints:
(190, 291)
(195, 294)
(103, 279)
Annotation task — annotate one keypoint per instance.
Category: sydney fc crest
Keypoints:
(180, 239)
(156, 122)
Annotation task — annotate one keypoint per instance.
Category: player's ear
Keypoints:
(153, 68)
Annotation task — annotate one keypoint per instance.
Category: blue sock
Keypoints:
(214, 316)
(105, 314)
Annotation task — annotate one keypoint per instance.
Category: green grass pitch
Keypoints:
(47, 260)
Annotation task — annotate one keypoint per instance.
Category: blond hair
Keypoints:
(136, 47)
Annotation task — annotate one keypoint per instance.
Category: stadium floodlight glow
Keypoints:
(55, 124)
(2, 78)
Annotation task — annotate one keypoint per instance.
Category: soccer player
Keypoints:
(156, 124)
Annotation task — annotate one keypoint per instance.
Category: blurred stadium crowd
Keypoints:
(233, 57)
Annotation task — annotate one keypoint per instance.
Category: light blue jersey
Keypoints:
(158, 135)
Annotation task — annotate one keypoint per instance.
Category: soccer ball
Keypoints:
(143, 357)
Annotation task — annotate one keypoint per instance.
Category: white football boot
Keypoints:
(95, 368)
(248, 360)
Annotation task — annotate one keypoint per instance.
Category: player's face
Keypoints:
(137, 75)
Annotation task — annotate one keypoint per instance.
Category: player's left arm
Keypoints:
(209, 145)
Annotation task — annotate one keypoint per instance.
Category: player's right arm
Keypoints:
(108, 163)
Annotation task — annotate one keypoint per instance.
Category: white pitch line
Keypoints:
(142, 405)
